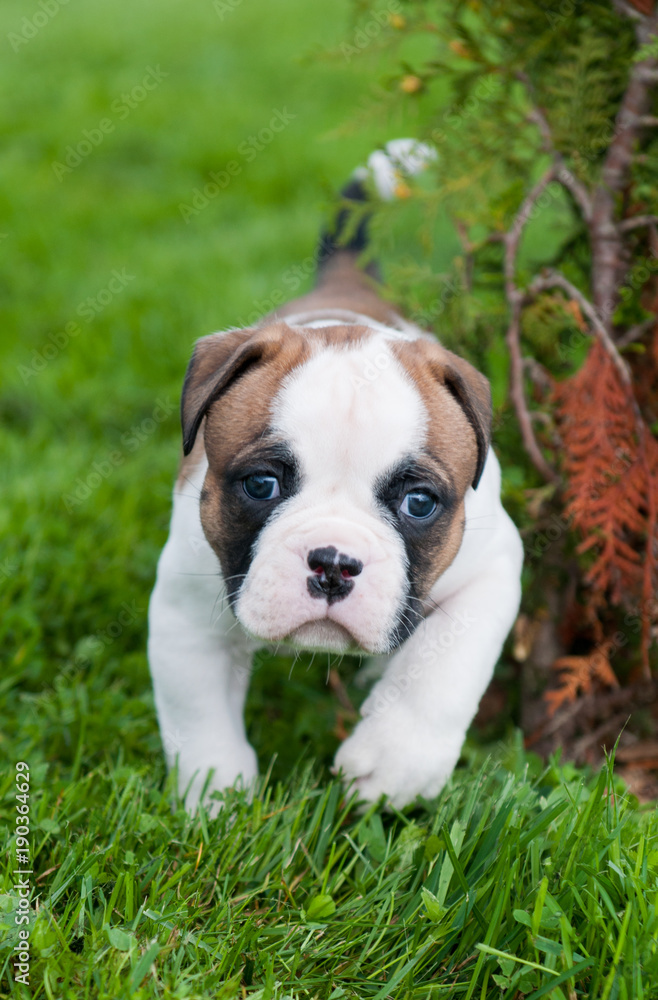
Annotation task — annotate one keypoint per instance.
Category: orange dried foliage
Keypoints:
(611, 464)
(644, 6)
(577, 676)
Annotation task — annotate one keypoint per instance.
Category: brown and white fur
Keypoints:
(356, 420)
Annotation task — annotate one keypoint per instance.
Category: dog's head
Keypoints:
(339, 459)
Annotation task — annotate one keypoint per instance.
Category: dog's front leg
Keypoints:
(415, 719)
(200, 665)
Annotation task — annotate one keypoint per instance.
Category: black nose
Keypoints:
(333, 572)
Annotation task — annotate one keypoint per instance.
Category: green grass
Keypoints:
(519, 881)
(293, 894)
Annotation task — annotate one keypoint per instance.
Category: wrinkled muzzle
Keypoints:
(322, 579)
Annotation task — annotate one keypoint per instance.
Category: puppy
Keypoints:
(336, 457)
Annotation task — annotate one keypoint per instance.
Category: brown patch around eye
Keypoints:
(458, 404)
(431, 544)
(230, 387)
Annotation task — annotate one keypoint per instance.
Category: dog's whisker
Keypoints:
(181, 573)
(212, 610)
(193, 485)
(428, 604)
(223, 611)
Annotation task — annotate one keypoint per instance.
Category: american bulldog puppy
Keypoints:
(335, 456)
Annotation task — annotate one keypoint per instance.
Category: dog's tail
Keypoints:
(384, 176)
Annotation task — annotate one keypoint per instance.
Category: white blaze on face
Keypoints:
(349, 415)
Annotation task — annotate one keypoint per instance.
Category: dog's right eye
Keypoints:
(418, 505)
(261, 487)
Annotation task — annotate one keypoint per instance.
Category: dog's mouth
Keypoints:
(325, 635)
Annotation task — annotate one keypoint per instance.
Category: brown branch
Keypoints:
(553, 279)
(599, 209)
(517, 396)
(610, 728)
(537, 115)
(637, 222)
(578, 190)
(599, 212)
(627, 10)
(608, 265)
(648, 74)
(635, 332)
(512, 237)
(591, 706)
(515, 297)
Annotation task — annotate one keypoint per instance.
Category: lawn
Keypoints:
(521, 879)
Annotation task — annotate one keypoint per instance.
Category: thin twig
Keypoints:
(591, 706)
(627, 10)
(638, 222)
(578, 190)
(517, 396)
(563, 175)
(513, 236)
(515, 298)
(610, 728)
(553, 279)
(635, 332)
(608, 265)
(648, 74)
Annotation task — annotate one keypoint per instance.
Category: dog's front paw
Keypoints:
(237, 769)
(398, 755)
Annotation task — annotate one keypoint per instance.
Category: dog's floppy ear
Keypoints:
(473, 393)
(430, 363)
(217, 362)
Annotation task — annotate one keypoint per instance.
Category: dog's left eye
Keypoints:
(418, 505)
(261, 487)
